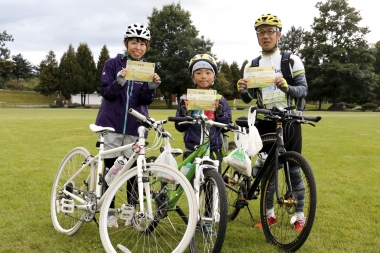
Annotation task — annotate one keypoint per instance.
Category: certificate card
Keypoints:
(140, 71)
(259, 77)
(201, 99)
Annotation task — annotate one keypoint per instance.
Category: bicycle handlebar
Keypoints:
(150, 122)
(202, 119)
(180, 119)
(284, 113)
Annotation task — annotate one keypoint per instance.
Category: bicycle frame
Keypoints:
(138, 155)
(276, 150)
(200, 159)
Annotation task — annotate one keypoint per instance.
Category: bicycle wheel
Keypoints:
(232, 179)
(74, 178)
(282, 233)
(212, 225)
(170, 226)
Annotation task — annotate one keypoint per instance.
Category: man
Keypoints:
(268, 29)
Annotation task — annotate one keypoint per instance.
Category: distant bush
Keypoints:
(370, 106)
(376, 102)
(73, 105)
(349, 106)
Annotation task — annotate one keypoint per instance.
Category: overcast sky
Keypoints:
(38, 26)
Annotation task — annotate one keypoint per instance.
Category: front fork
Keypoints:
(198, 180)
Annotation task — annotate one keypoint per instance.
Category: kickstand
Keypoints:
(249, 210)
(96, 221)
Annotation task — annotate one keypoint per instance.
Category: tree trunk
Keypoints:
(170, 104)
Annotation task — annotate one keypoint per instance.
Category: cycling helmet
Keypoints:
(268, 19)
(137, 30)
(203, 57)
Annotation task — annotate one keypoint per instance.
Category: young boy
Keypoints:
(203, 71)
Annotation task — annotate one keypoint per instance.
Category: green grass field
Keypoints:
(342, 150)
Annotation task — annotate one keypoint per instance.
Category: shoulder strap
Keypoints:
(285, 68)
(287, 74)
(255, 62)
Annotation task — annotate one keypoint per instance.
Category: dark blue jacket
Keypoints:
(117, 99)
(193, 133)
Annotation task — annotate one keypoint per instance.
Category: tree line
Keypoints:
(340, 64)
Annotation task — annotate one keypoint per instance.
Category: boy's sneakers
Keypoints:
(298, 221)
(112, 221)
(271, 221)
(206, 229)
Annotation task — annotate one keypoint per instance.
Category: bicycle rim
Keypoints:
(169, 228)
(65, 216)
(283, 234)
(212, 225)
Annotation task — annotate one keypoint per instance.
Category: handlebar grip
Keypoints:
(242, 121)
(314, 119)
(180, 119)
(137, 114)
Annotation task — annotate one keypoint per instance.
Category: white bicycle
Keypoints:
(150, 217)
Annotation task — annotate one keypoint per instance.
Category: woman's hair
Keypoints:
(147, 43)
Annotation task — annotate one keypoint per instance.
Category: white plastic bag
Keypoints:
(167, 158)
(241, 139)
(239, 160)
(255, 143)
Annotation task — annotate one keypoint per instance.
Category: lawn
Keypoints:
(342, 150)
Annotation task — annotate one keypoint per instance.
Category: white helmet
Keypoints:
(137, 30)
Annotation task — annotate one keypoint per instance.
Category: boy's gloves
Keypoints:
(120, 80)
(219, 112)
(183, 111)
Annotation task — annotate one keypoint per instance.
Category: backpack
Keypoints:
(287, 75)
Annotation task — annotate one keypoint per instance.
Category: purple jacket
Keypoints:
(117, 99)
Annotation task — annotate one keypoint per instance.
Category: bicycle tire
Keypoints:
(171, 228)
(203, 240)
(283, 233)
(65, 216)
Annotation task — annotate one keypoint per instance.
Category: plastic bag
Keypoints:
(224, 138)
(167, 158)
(239, 160)
(241, 139)
(255, 143)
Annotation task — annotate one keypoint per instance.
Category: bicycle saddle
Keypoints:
(97, 129)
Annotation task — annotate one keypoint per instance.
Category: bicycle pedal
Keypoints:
(255, 196)
(241, 203)
(66, 206)
(127, 212)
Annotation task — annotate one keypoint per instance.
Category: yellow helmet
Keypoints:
(203, 57)
(268, 19)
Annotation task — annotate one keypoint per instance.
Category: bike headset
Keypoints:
(272, 20)
(206, 58)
